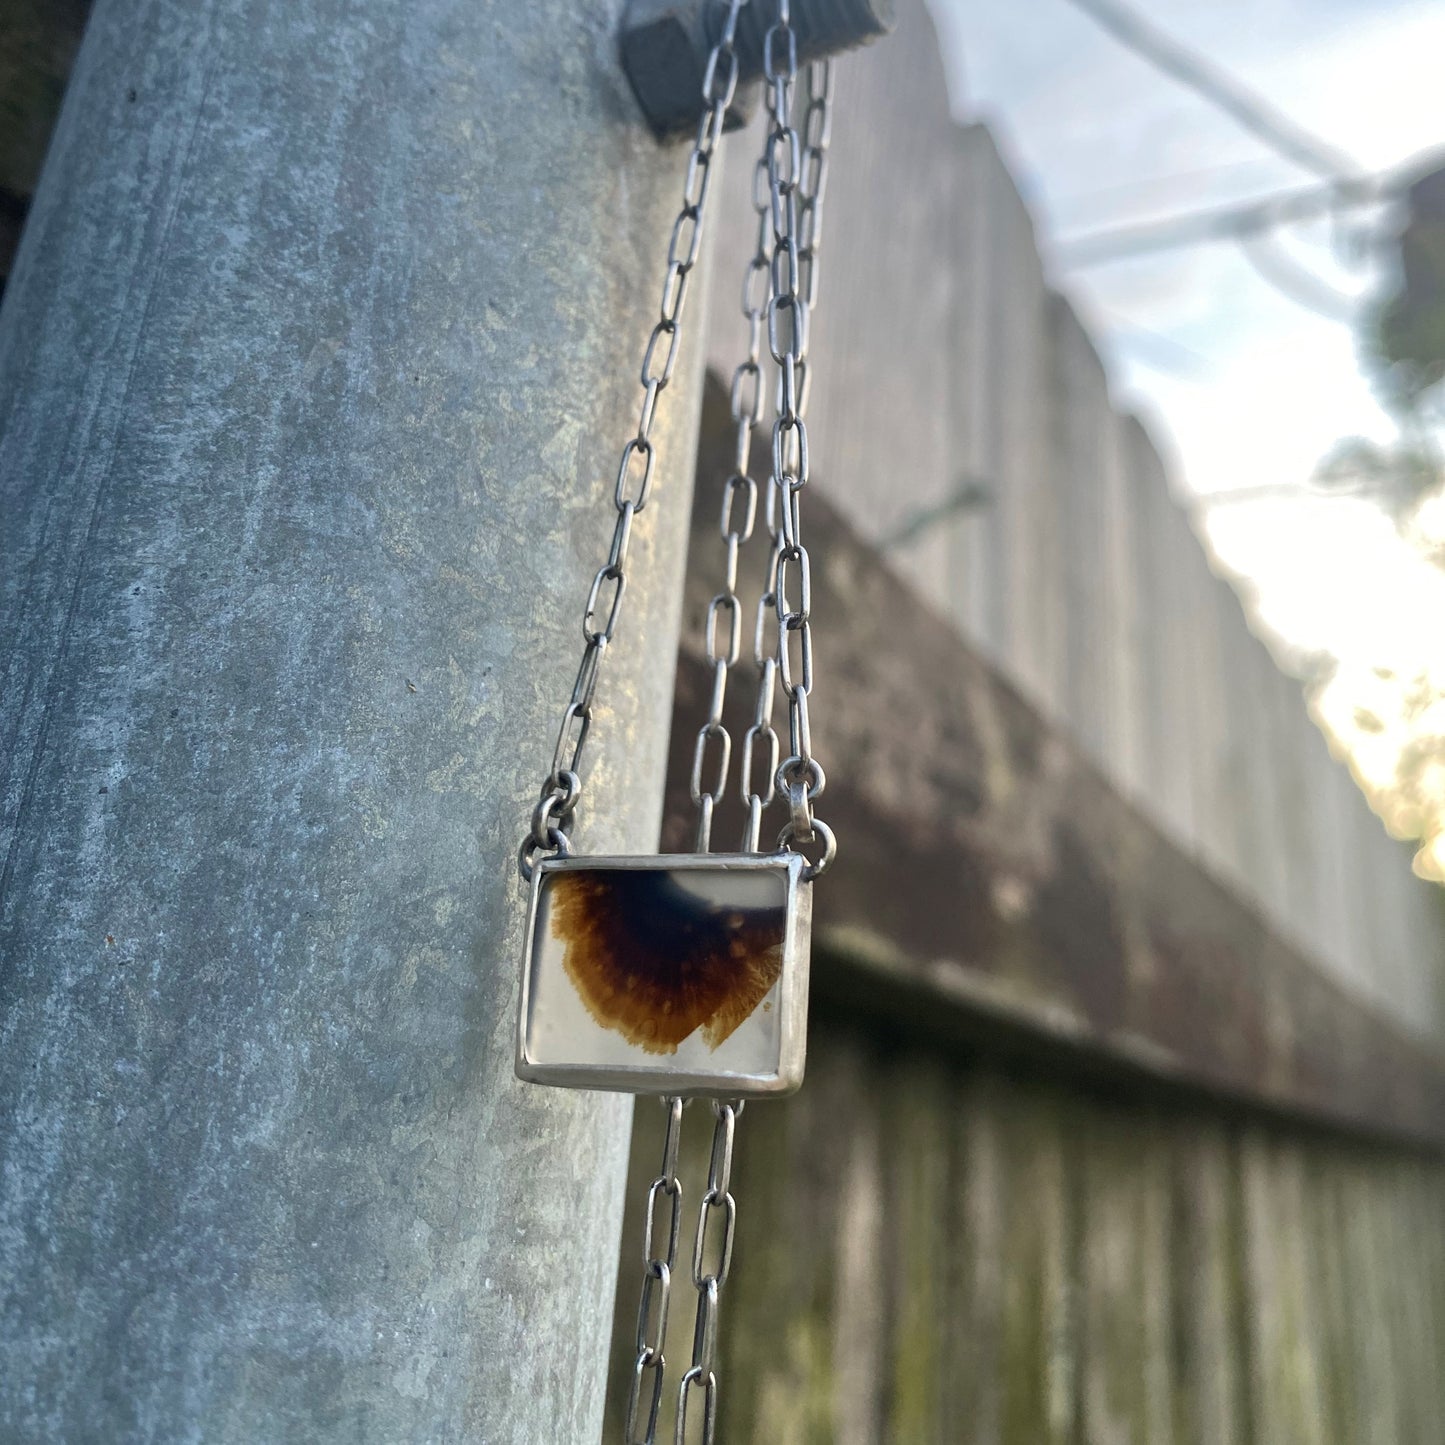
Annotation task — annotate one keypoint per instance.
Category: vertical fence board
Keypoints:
(916, 1105)
(1325, 1215)
(1407, 1274)
(1205, 1241)
(1269, 738)
(1122, 616)
(859, 1327)
(1286, 1388)
(1082, 435)
(1126, 1309)
(1161, 785)
(976, 531)
(1374, 1310)
(1425, 1224)
(1360, 942)
(881, 334)
(1002, 361)
(1179, 756)
(1016, 1358)
(1297, 840)
(1239, 799)
(1215, 793)
(804, 1317)
(1326, 930)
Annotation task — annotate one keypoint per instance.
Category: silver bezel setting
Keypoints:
(659, 1079)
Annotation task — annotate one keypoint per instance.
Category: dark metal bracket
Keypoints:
(665, 45)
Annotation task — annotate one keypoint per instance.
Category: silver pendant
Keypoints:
(685, 973)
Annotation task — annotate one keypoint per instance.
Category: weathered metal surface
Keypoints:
(992, 874)
(935, 1251)
(313, 371)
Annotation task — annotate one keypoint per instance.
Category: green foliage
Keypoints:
(1397, 477)
(1403, 339)
(1405, 350)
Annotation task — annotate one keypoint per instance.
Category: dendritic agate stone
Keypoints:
(684, 973)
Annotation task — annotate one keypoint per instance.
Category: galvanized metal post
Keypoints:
(314, 368)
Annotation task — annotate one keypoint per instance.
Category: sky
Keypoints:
(1251, 389)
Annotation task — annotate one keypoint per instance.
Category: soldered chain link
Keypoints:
(806, 183)
(739, 517)
(649, 1368)
(712, 1257)
(797, 174)
(747, 387)
(563, 787)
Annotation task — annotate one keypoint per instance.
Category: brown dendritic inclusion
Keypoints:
(654, 961)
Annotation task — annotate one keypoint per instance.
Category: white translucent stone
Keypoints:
(674, 973)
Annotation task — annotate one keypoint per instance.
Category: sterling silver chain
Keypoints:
(780, 287)
(563, 785)
(712, 1256)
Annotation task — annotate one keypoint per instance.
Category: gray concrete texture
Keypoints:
(320, 350)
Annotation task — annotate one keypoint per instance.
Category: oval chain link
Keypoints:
(644, 1397)
(737, 522)
(797, 170)
(789, 210)
(780, 287)
(712, 1257)
(563, 787)
(788, 188)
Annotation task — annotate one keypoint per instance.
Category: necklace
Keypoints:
(685, 975)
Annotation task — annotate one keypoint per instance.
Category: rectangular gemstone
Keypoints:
(685, 973)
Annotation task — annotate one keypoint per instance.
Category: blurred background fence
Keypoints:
(964, 425)
(1125, 1095)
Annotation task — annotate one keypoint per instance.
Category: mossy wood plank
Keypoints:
(1370, 1375)
(648, 1129)
(1014, 1359)
(801, 1325)
(1405, 1269)
(801, 1349)
(1428, 1225)
(931, 1250)
(860, 1324)
(1378, 1309)
(1286, 1388)
(976, 1390)
(920, 1251)
(1125, 1284)
(1206, 1286)
(1325, 1210)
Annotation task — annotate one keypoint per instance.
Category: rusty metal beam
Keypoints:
(992, 885)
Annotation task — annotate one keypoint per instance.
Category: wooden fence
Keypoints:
(932, 1248)
(1125, 1096)
(947, 367)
